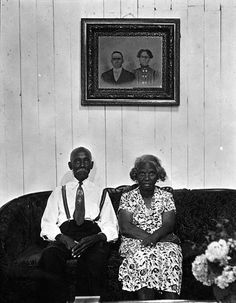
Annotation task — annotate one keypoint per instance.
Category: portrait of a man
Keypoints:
(117, 75)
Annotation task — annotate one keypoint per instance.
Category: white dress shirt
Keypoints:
(116, 73)
(54, 214)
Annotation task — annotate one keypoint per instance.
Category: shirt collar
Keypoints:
(117, 70)
(73, 184)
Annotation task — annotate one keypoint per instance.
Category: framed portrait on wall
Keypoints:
(130, 61)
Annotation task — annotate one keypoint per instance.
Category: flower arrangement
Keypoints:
(217, 264)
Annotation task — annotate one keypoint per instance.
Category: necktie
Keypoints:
(79, 205)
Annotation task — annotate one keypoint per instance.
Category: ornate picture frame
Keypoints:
(130, 61)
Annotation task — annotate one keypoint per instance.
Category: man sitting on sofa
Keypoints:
(75, 226)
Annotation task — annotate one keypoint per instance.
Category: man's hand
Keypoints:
(86, 242)
(69, 243)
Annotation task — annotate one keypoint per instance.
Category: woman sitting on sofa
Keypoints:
(152, 261)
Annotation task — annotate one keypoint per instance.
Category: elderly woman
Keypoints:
(152, 261)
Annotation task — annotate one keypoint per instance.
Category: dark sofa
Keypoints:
(20, 244)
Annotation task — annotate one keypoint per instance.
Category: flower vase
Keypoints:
(226, 295)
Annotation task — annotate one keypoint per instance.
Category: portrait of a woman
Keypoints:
(146, 75)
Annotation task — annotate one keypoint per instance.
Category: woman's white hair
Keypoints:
(148, 159)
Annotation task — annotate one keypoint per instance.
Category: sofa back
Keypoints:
(20, 223)
(197, 210)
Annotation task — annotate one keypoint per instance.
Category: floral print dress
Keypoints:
(160, 266)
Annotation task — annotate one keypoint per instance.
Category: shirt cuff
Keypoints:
(112, 236)
(50, 236)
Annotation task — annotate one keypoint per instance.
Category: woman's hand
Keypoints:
(171, 237)
(127, 228)
(149, 241)
(168, 221)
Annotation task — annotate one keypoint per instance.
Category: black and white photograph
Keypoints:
(118, 151)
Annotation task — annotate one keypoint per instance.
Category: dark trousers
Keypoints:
(91, 270)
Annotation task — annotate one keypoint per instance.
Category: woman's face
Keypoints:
(147, 176)
(144, 59)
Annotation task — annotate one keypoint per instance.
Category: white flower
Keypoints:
(234, 270)
(218, 264)
(228, 276)
(221, 282)
(217, 251)
(200, 269)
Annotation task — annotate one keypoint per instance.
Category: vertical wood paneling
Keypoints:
(213, 108)
(63, 102)
(96, 115)
(114, 157)
(31, 142)
(228, 65)
(129, 9)
(179, 144)
(145, 8)
(88, 124)
(114, 146)
(162, 6)
(212, 5)
(130, 118)
(3, 168)
(146, 115)
(80, 122)
(47, 163)
(41, 118)
(163, 120)
(11, 56)
(111, 9)
(196, 140)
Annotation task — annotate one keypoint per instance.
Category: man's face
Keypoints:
(116, 60)
(81, 164)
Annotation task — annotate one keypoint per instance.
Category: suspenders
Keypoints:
(63, 190)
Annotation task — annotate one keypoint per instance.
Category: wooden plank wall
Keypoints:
(41, 118)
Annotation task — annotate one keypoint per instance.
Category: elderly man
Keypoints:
(77, 228)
